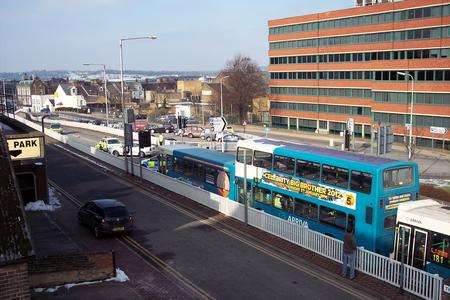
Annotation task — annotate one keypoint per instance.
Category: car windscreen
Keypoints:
(116, 212)
(114, 141)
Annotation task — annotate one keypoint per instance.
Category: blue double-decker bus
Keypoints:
(210, 170)
(327, 190)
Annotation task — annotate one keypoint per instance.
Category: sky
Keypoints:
(192, 35)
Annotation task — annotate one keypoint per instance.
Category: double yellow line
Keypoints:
(141, 250)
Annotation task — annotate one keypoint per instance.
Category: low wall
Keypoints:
(14, 281)
(70, 268)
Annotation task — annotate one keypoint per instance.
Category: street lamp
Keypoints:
(410, 113)
(104, 80)
(221, 94)
(150, 37)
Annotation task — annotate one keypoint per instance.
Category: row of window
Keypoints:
(366, 56)
(419, 98)
(417, 13)
(303, 208)
(402, 119)
(331, 175)
(325, 108)
(196, 171)
(300, 91)
(414, 34)
(418, 75)
(338, 75)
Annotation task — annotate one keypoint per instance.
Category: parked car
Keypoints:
(164, 128)
(56, 127)
(105, 216)
(227, 137)
(110, 145)
(143, 152)
(208, 135)
(192, 131)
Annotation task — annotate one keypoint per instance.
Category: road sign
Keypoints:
(351, 125)
(408, 126)
(438, 130)
(218, 123)
(25, 148)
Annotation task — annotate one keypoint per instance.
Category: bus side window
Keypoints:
(262, 159)
(369, 213)
(240, 155)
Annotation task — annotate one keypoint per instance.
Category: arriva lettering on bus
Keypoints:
(298, 221)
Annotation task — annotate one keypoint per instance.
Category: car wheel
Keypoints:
(116, 153)
(167, 130)
(97, 232)
(190, 135)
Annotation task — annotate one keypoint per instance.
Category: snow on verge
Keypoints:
(120, 277)
(42, 206)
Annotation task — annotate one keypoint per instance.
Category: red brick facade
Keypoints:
(14, 281)
(429, 114)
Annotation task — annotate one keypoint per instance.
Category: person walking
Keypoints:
(349, 253)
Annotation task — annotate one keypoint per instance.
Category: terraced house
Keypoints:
(364, 63)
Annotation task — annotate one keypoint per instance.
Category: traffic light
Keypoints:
(347, 140)
(145, 139)
(385, 139)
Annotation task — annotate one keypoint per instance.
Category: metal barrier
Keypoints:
(415, 281)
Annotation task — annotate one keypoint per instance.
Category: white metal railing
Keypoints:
(415, 281)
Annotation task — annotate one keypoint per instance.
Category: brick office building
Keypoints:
(327, 67)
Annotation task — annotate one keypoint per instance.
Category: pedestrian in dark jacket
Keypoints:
(349, 253)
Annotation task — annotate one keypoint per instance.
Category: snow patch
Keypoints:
(40, 205)
(120, 277)
(437, 182)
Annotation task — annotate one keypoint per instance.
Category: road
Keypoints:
(223, 265)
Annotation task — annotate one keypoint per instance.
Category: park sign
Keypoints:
(21, 148)
(438, 130)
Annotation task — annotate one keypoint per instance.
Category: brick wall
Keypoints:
(14, 281)
(71, 268)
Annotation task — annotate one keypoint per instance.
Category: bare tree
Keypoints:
(245, 82)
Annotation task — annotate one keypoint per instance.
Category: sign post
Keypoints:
(219, 124)
(351, 131)
(26, 148)
(128, 136)
(438, 130)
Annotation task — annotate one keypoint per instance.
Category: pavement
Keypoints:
(222, 264)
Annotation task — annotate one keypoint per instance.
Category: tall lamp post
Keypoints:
(221, 95)
(221, 108)
(150, 37)
(410, 112)
(104, 82)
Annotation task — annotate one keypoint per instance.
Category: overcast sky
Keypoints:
(193, 35)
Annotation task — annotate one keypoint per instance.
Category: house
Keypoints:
(29, 85)
(39, 102)
(190, 89)
(67, 96)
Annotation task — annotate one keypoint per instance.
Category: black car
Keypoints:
(164, 128)
(105, 216)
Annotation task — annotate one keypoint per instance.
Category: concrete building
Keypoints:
(327, 67)
(66, 96)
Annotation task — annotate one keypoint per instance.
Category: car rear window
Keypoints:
(116, 212)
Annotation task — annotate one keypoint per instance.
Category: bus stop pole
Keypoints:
(245, 188)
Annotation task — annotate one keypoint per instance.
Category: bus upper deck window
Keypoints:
(262, 159)
(283, 164)
(240, 155)
(361, 182)
(308, 169)
(335, 176)
(397, 177)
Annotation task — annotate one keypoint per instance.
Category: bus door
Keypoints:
(419, 248)
(399, 243)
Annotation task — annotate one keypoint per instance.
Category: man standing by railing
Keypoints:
(349, 253)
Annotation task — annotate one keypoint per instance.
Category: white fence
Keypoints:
(415, 281)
